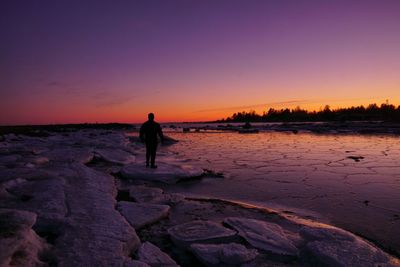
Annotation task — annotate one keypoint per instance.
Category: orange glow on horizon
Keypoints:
(166, 113)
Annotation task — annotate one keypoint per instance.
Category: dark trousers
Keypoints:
(151, 149)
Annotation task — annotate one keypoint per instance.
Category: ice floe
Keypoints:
(199, 232)
(165, 173)
(263, 235)
(142, 214)
(217, 254)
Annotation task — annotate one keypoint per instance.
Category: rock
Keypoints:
(199, 232)
(153, 256)
(217, 254)
(348, 253)
(356, 158)
(117, 156)
(165, 173)
(142, 214)
(263, 235)
(20, 246)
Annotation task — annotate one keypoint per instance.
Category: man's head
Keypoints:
(151, 116)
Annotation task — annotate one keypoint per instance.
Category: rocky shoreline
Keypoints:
(83, 198)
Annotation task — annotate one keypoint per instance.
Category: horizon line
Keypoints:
(192, 121)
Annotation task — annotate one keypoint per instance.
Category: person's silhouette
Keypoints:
(148, 134)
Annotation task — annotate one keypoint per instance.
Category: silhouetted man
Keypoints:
(148, 134)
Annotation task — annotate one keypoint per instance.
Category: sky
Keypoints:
(70, 61)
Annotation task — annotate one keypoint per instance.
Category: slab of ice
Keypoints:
(167, 140)
(9, 158)
(69, 154)
(199, 232)
(263, 235)
(166, 173)
(142, 214)
(17, 239)
(153, 256)
(217, 254)
(331, 246)
(114, 155)
(146, 194)
(95, 233)
(7, 174)
(135, 263)
(346, 253)
(44, 197)
(313, 233)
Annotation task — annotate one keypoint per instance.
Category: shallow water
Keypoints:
(305, 173)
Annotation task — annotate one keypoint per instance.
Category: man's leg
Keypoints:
(153, 154)
(148, 152)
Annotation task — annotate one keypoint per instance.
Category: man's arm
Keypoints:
(141, 134)
(160, 133)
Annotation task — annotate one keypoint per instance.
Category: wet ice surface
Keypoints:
(352, 181)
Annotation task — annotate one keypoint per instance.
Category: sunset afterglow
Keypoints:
(106, 61)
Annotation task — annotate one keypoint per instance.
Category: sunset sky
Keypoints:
(115, 61)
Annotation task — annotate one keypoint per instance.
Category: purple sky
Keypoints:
(86, 61)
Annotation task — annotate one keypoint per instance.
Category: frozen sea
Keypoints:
(351, 181)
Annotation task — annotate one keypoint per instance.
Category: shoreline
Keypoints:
(323, 127)
(318, 127)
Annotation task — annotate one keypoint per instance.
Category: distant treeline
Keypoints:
(373, 112)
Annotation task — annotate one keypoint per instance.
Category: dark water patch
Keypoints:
(123, 195)
(49, 258)
(50, 233)
(25, 197)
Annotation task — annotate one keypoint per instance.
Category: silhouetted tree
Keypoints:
(384, 112)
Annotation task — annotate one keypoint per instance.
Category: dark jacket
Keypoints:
(149, 132)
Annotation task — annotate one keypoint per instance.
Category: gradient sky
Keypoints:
(86, 61)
